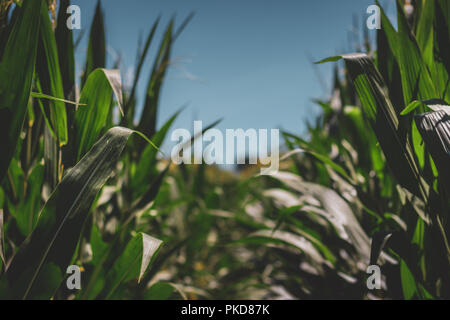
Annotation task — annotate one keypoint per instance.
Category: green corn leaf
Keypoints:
(130, 112)
(434, 127)
(2, 241)
(149, 195)
(387, 63)
(411, 107)
(42, 108)
(96, 54)
(47, 66)
(442, 21)
(50, 247)
(147, 124)
(14, 188)
(415, 77)
(51, 158)
(132, 263)
(31, 114)
(25, 213)
(378, 242)
(269, 236)
(425, 294)
(160, 291)
(321, 157)
(66, 55)
(408, 283)
(329, 59)
(367, 137)
(99, 247)
(383, 119)
(91, 119)
(39, 95)
(146, 165)
(64, 41)
(335, 210)
(16, 74)
(425, 32)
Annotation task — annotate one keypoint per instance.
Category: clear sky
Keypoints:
(248, 61)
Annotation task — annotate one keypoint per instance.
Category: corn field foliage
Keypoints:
(83, 181)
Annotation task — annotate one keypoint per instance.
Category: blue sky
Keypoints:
(247, 61)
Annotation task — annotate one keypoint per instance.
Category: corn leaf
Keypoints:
(64, 42)
(2, 253)
(96, 54)
(269, 236)
(335, 210)
(91, 119)
(434, 128)
(26, 211)
(147, 124)
(160, 291)
(146, 165)
(408, 283)
(39, 95)
(129, 107)
(384, 121)
(132, 264)
(415, 77)
(442, 29)
(377, 244)
(47, 67)
(50, 247)
(16, 74)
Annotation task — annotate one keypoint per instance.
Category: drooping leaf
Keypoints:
(292, 239)
(335, 210)
(321, 157)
